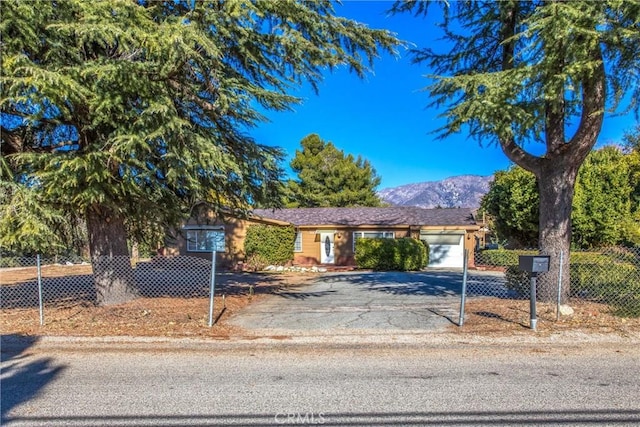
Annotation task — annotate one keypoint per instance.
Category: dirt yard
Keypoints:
(495, 316)
(164, 316)
(188, 317)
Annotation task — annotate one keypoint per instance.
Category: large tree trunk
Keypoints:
(558, 168)
(556, 187)
(112, 272)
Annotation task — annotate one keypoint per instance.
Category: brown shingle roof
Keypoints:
(371, 216)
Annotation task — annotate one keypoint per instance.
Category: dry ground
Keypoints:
(172, 317)
(188, 317)
(495, 316)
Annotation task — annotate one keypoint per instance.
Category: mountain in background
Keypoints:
(463, 191)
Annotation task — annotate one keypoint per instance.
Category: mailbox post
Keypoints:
(533, 264)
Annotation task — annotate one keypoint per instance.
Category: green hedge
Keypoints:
(609, 277)
(6, 262)
(500, 257)
(270, 244)
(391, 254)
(507, 257)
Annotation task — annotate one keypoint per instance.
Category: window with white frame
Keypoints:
(371, 235)
(205, 239)
(297, 245)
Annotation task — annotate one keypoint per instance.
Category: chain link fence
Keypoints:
(609, 276)
(62, 282)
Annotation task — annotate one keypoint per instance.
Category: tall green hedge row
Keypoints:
(269, 244)
(610, 277)
(501, 257)
(612, 281)
(391, 254)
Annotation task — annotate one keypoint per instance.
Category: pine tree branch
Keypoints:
(11, 142)
(184, 90)
(594, 101)
(509, 30)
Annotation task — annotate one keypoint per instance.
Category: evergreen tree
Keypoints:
(329, 178)
(520, 72)
(512, 203)
(128, 113)
(631, 140)
(601, 214)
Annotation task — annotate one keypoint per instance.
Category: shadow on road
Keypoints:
(23, 376)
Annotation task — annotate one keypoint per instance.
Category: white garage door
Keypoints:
(445, 250)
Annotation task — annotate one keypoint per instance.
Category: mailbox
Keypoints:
(534, 263)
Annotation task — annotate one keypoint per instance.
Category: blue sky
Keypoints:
(385, 119)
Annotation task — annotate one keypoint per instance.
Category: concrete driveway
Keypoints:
(357, 300)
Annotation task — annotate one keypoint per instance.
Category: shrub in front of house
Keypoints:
(269, 244)
(391, 254)
(414, 254)
(375, 254)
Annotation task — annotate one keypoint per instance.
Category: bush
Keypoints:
(391, 254)
(608, 278)
(374, 254)
(6, 262)
(500, 257)
(256, 262)
(611, 276)
(413, 254)
(269, 244)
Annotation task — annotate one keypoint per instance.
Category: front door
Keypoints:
(326, 248)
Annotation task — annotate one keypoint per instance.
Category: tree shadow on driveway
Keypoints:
(300, 295)
(432, 283)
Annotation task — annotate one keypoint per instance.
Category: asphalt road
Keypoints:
(368, 386)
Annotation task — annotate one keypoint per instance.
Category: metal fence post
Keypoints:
(463, 297)
(559, 287)
(40, 303)
(213, 285)
(532, 304)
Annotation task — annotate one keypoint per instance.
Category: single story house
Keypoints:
(326, 236)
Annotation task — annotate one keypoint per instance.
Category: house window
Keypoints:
(297, 245)
(205, 240)
(371, 235)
